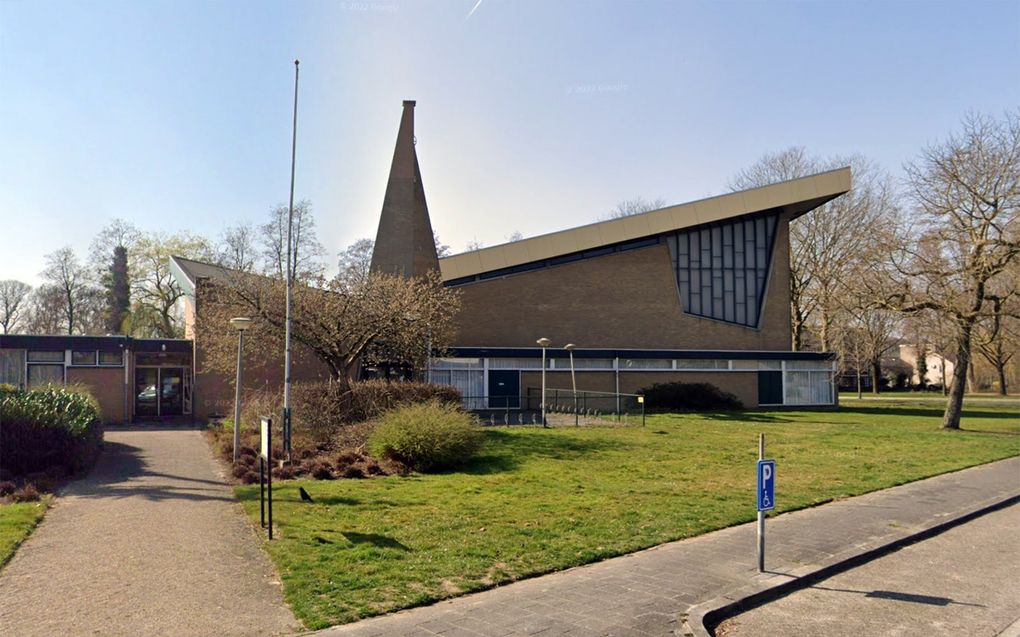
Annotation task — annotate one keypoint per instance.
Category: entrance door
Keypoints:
(171, 395)
(146, 392)
(159, 392)
(770, 388)
(504, 389)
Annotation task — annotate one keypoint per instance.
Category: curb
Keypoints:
(702, 619)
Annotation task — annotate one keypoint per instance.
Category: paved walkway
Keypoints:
(151, 543)
(962, 582)
(646, 593)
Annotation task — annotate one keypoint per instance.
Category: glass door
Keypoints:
(171, 395)
(146, 396)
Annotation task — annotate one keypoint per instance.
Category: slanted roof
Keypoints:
(187, 272)
(796, 196)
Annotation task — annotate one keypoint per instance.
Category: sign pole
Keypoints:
(266, 473)
(761, 513)
(269, 475)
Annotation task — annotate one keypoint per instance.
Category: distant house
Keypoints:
(939, 369)
(901, 362)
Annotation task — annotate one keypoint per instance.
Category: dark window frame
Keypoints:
(722, 269)
(75, 353)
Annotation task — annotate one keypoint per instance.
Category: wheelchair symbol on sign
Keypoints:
(766, 484)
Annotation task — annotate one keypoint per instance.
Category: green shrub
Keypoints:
(49, 428)
(426, 436)
(321, 410)
(689, 397)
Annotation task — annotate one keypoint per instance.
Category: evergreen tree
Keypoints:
(118, 292)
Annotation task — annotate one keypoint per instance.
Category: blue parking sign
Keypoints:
(766, 485)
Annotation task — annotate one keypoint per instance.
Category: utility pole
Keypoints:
(291, 266)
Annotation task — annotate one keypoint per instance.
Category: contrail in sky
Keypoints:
(473, 9)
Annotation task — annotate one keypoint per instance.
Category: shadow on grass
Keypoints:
(935, 411)
(743, 416)
(515, 448)
(292, 496)
(380, 541)
(989, 432)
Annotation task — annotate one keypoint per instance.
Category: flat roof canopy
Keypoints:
(796, 196)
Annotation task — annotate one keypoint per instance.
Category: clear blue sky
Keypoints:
(532, 115)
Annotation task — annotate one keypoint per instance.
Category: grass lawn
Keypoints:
(16, 523)
(546, 499)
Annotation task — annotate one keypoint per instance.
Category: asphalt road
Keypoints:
(965, 581)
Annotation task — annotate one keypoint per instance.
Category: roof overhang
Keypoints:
(795, 197)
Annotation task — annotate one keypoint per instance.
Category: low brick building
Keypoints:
(131, 378)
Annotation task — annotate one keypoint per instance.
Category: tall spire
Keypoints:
(404, 243)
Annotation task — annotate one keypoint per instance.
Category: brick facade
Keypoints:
(106, 384)
(625, 299)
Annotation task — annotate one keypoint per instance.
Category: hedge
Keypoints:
(52, 428)
(689, 397)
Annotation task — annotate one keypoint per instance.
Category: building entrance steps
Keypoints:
(152, 542)
(669, 589)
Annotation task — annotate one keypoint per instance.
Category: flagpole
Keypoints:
(291, 267)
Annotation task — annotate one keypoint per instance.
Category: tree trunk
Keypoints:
(876, 374)
(1000, 368)
(796, 327)
(860, 390)
(954, 406)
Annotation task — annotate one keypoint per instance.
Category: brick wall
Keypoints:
(107, 385)
(625, 300)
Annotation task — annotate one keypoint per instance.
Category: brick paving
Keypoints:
(646, 593)
(152, 542)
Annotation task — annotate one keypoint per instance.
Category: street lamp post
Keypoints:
(573, 380)
(240, 323)
(543, 343)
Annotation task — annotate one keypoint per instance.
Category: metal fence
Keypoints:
(563, 408)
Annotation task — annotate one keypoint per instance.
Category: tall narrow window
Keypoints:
(721, 269)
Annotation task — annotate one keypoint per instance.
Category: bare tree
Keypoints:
(46, 314)
(966, 194)
(829, 243)
(997, 336)
(350, 319)
(870, 333)
(14, 300)
(356, 259)
(307, 252)
(514, 236)
(116, 234)
(65, 273)
(237, 248)
(635, 206)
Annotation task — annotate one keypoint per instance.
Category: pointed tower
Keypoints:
(404, 242)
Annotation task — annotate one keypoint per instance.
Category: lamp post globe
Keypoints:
(239, 323)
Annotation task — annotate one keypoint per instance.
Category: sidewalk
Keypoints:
(152, 542)
(649, 593)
